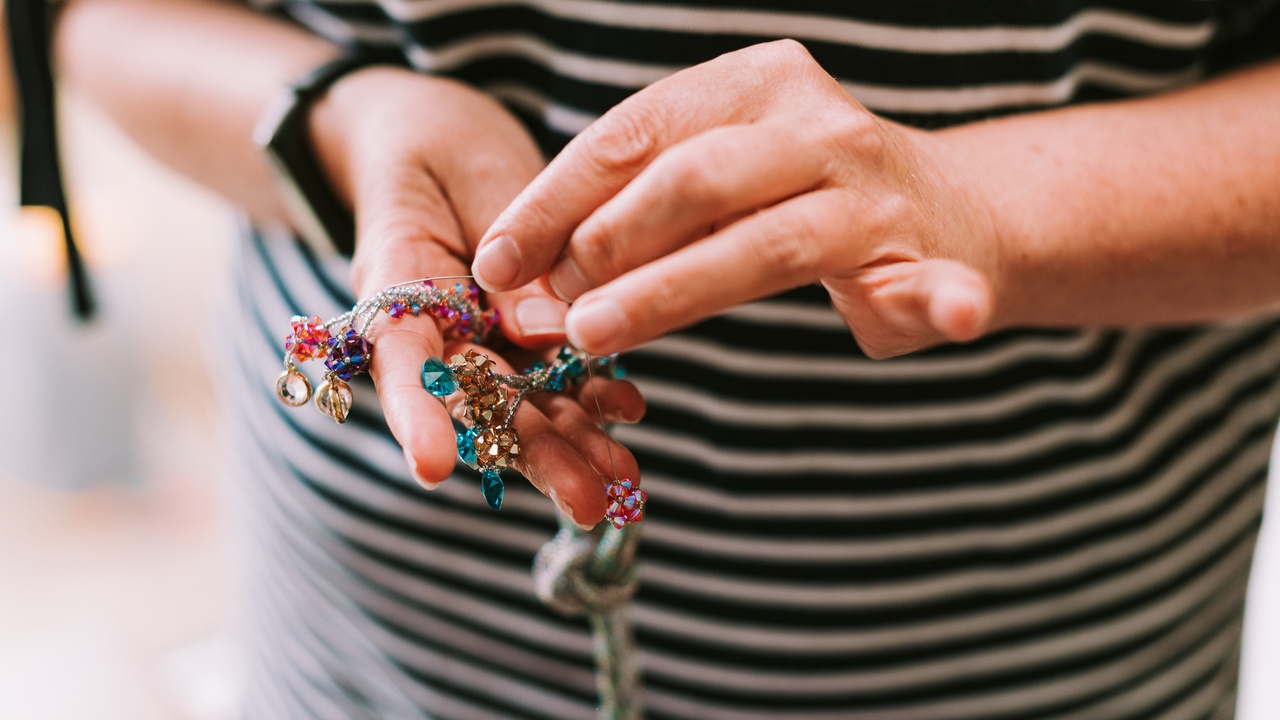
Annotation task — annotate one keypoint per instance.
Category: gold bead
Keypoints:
(293, 388)
(334, 399)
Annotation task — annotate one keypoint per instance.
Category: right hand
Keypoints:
(426, 164)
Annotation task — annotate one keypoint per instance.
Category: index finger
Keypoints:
(529, 236)
(416, 419)
(406, 231)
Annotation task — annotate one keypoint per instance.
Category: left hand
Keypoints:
(426, 163)
(740, 178)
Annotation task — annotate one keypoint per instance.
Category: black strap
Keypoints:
(40, 179)
(294, 143)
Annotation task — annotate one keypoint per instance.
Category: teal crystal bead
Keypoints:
(467, 446)
(556, 382)
(437, 378)
(617, 370)
(491, 486)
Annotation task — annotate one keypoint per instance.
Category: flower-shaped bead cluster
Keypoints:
(309, 339)
(626, 503)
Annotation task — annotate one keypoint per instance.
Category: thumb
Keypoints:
(959, 299)
(530, 316)
(920, 303)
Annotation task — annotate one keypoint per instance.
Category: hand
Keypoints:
(740, 178)
(426, 164)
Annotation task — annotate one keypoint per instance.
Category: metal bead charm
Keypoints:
(346, 346)
(293, 388)
(334, 399)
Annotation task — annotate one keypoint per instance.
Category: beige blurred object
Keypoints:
(6, 74)
(117, 599)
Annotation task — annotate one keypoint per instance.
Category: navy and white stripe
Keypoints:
(1040, 524)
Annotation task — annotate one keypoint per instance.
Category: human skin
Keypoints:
(756, 172)
(425, 163)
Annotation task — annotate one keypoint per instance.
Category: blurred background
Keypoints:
(117, 581)
(117, 594)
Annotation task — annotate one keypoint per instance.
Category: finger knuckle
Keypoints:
(622, 142)
(594, 250)
(775, 64)
(694, 177)
(857, 133)
(536, 215)
(666, 299)
(793, 244)
(789, 52)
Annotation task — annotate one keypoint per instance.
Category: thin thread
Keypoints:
(608, 446)
(433, 279)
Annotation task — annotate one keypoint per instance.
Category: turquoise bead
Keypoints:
(491, 486)
(467, 446)
(437, 378)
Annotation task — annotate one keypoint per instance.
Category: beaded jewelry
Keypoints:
(577, 572)
(490, 443)
(344, 344)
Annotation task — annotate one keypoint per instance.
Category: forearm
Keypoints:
(188, 79)
(1151, 211)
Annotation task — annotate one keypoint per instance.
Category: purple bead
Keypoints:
(348, 355)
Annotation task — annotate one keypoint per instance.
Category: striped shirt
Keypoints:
(1036, 525)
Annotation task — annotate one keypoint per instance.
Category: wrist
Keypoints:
(988, 222)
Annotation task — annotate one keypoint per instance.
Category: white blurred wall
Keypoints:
(116, 599)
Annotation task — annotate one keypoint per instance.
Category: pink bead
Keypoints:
(626, 503)
(309, 339)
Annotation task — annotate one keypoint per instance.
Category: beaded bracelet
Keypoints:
(490, 443)
(344, 344)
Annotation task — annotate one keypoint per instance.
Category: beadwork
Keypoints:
(490, 444)
(626, 503)
(344, 343)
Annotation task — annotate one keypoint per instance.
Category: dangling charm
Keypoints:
(309, 339)
(334, 399)
(437, 378)
(467, 447)
(491, 444)
(344, 343)
(292, 387)
(626, 503)
(348, 354)
(491, 487)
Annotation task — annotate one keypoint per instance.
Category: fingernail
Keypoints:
(565, 509)
(567, 280)
(413, 470)
(497, 264)
(613, 416)
(957, 313)
(595, 324)
(540, 316)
